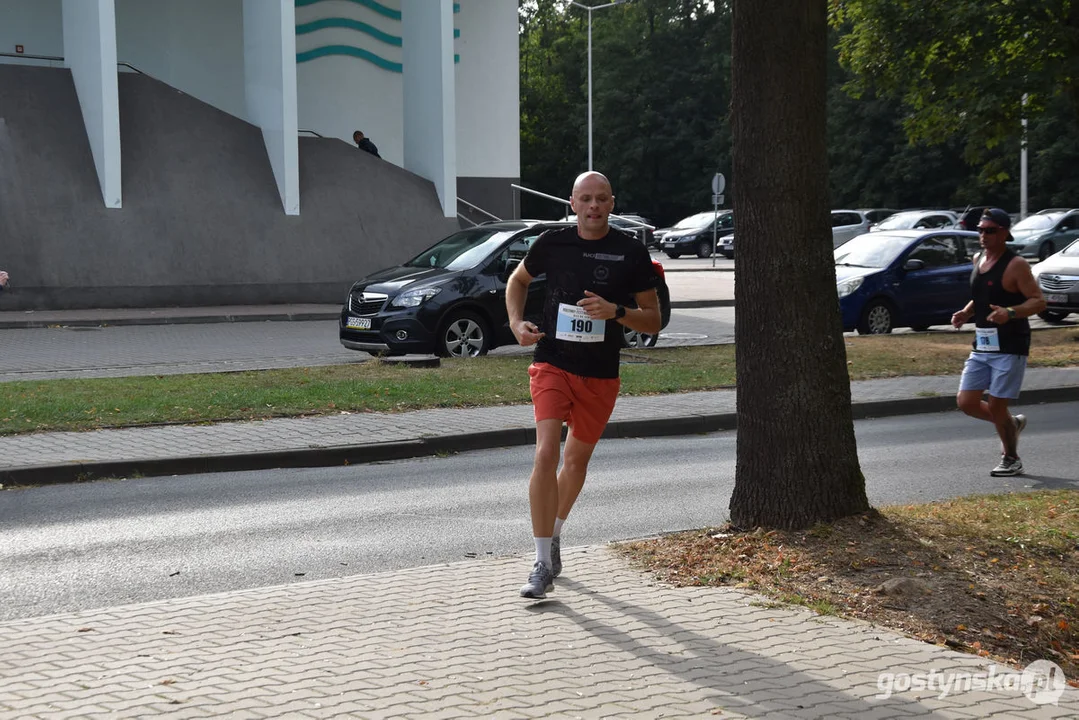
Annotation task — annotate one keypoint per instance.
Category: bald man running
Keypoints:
(593, 272)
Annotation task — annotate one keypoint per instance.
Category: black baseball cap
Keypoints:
(998, 216)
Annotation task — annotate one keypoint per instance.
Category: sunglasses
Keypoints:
(988, 230)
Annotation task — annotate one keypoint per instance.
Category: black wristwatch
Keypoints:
(619, 312)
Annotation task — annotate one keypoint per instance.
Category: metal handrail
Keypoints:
(631, 221)
(478, 209)
(301, 131)
(467, 220)
(24, 56)
(57, 58)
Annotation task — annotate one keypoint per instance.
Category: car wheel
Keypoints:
(704, 249)
(673, 255)
(1046, 250)
(877, 319)
(1053, 316)
(464, 334)
(633, 339)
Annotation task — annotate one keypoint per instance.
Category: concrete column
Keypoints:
(90, 53)
(430, 136)
(270, 89)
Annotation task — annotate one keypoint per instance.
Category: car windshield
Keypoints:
(1072, 250)
(1036, 222)
(461, 250)
(873, 250)
(695, 221)
(899, 221)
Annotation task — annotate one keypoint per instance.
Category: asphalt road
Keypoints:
(73, 547)
(50, 353)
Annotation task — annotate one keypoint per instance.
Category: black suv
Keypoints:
(450, 300)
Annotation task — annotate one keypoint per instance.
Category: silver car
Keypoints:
(1042, 234)
(847, 224)
(1058, 277)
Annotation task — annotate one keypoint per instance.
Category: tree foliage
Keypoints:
(962, 68)
(923, 102)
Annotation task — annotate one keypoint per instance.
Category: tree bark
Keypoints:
(797, 458)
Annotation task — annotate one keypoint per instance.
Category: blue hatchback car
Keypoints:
(903, 278)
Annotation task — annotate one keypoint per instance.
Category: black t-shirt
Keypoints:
(615, 267)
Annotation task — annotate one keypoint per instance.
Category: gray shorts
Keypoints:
(999, 373)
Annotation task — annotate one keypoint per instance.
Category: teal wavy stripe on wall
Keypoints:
(349, 24)
(367, 55)
(372, 5)
(356, 52)
(337, 22)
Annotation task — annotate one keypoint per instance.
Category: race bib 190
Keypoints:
(986, 340)
(574, 325)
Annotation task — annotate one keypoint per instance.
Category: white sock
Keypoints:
(543, 550)
(558, 526)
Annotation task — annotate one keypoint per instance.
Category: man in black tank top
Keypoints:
(1004, 294)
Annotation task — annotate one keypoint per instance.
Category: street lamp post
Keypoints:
(590, 8)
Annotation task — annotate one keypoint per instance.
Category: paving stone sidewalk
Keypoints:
(230, 445)
(454, 641)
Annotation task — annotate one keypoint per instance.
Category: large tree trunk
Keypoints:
(797, 458)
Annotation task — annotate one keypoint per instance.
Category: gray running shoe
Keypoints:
(1007, 466)
(540, 582)
(556, 556)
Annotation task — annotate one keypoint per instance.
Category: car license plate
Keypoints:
(668, 245)
(358, 323)
(1056, 298)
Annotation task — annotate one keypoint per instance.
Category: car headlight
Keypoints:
(414, 298)
(846, 287)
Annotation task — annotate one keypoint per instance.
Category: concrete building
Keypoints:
(197, 152)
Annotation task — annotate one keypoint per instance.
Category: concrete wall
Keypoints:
(90, 53)
(202, 221)
(430, 112)
(37, 25)
(194, 45)
(488, 95)
(270, 89)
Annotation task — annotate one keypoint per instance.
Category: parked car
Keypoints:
(918, 220)
(450, 300)
(1043, 233)
(903, 278)
(695, 234)
(645, 234)
(849, 221)
(875, 215)
(1058, 277)
(631, 225)
(969, 216)
(726, 246)
(847, 224)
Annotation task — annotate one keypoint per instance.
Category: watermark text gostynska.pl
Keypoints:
(1042, 681)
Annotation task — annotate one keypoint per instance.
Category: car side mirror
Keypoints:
(914, 264)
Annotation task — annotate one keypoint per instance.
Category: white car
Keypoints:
(918, 220)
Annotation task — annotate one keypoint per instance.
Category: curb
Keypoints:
(177, 320)
(262, 317)
(423, 447)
